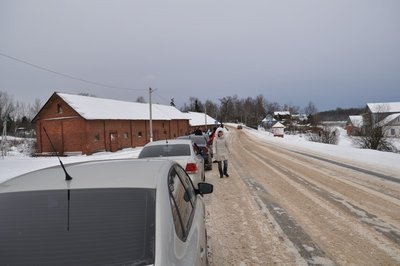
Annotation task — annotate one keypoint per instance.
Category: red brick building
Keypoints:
(84, 125)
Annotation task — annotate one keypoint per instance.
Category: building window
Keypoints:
(392, 132)
(97, 137)
(163, 125)
(140, 134)
(126, 135)
(59, 109)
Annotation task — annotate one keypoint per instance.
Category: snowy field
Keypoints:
(16, 163)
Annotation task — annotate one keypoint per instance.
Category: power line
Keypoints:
(66, 75)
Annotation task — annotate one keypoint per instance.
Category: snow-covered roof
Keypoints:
(278, 125)
(281, 113)
(356, 120)
(393, 107)
(92, 108)
(198, 119)
(388, 119)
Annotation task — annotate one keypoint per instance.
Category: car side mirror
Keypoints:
(204, 188)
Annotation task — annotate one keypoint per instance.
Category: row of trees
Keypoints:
(250, 111)
(16, 115)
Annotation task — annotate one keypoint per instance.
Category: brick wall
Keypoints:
(69, 132)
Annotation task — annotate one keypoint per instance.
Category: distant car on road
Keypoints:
(114, 212)
(182, 151)
(205, 149)
(239, 127)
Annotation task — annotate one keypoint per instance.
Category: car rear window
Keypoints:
(94, 227)
(165, 150)
(199, 140)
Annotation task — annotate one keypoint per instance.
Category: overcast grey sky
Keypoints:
(335, 53)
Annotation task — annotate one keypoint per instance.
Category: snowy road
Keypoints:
(287, 206)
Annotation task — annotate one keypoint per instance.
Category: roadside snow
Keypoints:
(385, 161)
(16, 163)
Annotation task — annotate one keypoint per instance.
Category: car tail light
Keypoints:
(191, 168)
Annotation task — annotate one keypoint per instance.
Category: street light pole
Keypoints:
(151, 116)
(205, 117)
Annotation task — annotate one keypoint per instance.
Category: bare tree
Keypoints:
(7, 105)
(212, 109)
(228, 111)
(35, 108)
(271, 107)
(291, 108)
(312, 114)
(373, 132)
(140, 99)
(310, 109)
(327, 135)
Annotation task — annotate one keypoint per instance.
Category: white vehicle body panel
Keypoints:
(126, 173)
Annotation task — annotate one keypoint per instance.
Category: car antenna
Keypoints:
(67, 176)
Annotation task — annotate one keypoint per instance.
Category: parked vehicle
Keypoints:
(205, 149)
(182, 151)
(114, 212)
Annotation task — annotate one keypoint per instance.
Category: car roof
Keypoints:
(169, 142)
(127, 173)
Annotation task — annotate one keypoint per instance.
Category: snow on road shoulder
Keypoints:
(386, 162)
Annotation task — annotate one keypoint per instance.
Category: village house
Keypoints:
(385, 115)
(354, 125)
(84, 125)
(282, 116)
(278, 130)
(200, 121)
(391, 125)
(379, 111)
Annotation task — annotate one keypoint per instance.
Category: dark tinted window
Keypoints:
(182, 202)
(95, 227)
(199, 140)
(165, 150)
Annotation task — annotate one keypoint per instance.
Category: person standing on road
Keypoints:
(221, 152)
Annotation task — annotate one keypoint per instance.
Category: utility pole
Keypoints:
(205, 117)
(151, 116)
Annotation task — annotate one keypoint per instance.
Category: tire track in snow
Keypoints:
(362, 215)
(298, 238)
(391, 232)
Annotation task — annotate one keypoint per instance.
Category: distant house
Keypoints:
(379, 111)
(282, 115)
(200, 121)
(268, 121)
(84, 125)
(354, 125)
(391, 125)
(278, 130)
(385, 115)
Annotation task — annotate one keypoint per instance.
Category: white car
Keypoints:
(183, 151)
(114, 212)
